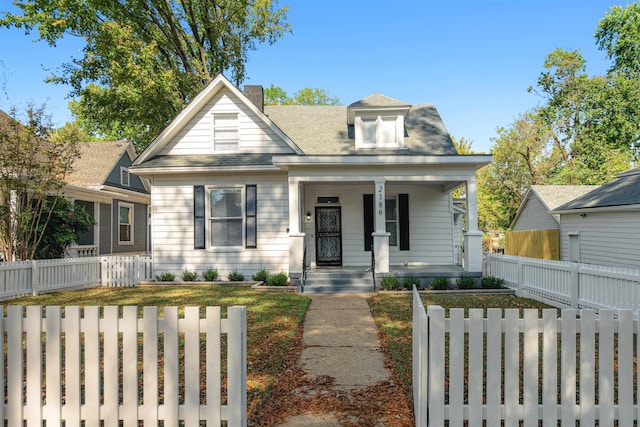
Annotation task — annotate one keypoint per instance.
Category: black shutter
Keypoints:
(368, 221)
(198, 217)
(403, 208)
(251, 209)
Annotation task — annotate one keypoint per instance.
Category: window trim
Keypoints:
(235, 127)
(131, 223)
(209, 219)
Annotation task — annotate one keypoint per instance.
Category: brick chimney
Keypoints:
(255, 95)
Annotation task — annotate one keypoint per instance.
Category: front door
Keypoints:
(328, 236)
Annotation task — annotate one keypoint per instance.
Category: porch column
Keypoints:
(296, 237)
(380, 235)
(473, 236)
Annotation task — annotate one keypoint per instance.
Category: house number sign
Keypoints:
(380, 199)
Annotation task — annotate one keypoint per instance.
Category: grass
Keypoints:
(392, 313)
(273, 319)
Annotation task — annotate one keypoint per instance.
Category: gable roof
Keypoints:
(621, 193)
(552, 196)
(96, 160)
(217, 84)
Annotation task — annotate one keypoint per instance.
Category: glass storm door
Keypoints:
(328, 236)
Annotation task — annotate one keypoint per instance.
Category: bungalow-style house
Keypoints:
(117, 199)
(603, 226)
(239, 186)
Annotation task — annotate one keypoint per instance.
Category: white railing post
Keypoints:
(575, 285)
(237, 366)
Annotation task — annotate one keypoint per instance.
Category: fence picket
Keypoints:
(192, 365)
(71, 327)
(171, 383)
(214, 370)
(625, 364)
(494, 366)
(511, 367)
(111, 398)
(14, 366)
(436, 365)
(456, 366)
(33, 329)
(91, 329)
(476, 359)
(149, 410)
(530, 368)
(129, 327)
(568, 368)
(605, 368)
(587, 367)
(550, 367)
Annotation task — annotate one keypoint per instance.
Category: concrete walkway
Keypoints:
(341, 342)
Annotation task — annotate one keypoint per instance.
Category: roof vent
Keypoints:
(255, 94)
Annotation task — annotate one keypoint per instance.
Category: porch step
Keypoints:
(338, 280)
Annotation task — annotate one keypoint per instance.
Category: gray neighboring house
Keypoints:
(603, 226)
(534, 210)
(117, 199)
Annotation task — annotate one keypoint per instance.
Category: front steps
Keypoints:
(335, 280)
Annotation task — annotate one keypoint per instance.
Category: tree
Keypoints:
(144, 60)
(64, 227)
(34, 161)
(275, 95)
(618, 34)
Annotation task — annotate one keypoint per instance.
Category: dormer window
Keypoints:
(378, 122)
(379, 132)
(225, 132)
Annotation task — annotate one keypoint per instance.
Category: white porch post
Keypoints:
(296, 237)
(473, 236)
(380, 235)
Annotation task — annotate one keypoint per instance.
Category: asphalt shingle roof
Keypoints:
(212, 160)
(555, 195)
(95, 162)
(622, 191)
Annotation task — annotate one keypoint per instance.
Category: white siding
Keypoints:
(196, 137)
(606, 238)
(173, 251)
(534, 216)
(430, 225)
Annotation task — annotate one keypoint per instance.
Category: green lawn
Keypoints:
(273, 319)
(392, 313)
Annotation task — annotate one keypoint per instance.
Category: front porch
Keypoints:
(327, 280)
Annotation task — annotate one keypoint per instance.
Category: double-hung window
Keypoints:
(225, 217)
(391, 214)
(225, 132)
(125, 223)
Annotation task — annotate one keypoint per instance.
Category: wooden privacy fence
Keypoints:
(505, 370)
(108, 367)
(39, 276)
(543, 244)
(567, 284)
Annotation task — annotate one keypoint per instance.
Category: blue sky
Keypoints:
(473, 59)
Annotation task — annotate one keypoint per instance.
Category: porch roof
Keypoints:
(474, 161)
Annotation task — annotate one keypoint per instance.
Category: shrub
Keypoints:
(466, 282)
(491, 282)
(278, 279)
(210, 275)
(260, 276)
(235, 276)
(440, 283)
(189, 276)
(409, 282)
(390, 283)
(166, 277)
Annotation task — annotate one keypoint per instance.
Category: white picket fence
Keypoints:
(106, 366)
(35, 277)
(566, 284)
(506, 370)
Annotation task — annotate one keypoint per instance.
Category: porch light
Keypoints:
(308, 216)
